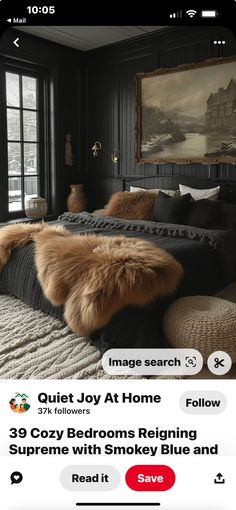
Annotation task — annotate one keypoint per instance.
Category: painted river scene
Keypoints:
(190, 114)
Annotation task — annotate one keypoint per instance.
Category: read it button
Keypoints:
(150, 478)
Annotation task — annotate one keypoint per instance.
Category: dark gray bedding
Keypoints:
(208, 258)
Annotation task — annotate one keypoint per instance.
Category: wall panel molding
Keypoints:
(168, 48)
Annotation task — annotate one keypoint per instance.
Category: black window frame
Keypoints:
(44, 156)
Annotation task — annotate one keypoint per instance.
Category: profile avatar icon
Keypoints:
(19, 404)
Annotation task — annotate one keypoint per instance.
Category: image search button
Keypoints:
(150, 478)
(152, 362)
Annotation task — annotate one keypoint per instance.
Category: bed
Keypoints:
(208, 258)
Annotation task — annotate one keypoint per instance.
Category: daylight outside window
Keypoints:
(22, 139)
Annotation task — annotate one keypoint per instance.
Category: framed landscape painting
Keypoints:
(187, 114)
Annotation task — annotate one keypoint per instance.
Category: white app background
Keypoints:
(194, 488)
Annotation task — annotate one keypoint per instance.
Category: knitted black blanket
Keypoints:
(208, 258)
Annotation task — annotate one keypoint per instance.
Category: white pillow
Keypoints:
(170, 192)
(199, 194)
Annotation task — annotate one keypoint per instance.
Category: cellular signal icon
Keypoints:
(191, 13)
(177, 14)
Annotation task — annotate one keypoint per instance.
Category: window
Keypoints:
(23, 139)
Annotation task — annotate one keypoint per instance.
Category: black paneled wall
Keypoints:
(93, 98)
(111, 104)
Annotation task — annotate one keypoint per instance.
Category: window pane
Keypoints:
(31, 187)
(14, 158)
(14, 194)
(12, 86)
(30, 158)
(13, 124)
(29, 92)
(30, 126)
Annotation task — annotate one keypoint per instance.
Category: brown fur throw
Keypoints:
(132, 206)
(93, 276)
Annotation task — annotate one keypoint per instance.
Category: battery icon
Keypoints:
(209, 14)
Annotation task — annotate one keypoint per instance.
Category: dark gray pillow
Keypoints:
(205, 214)
(171, 210)
(229, 215)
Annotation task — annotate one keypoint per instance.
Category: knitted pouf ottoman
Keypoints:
(205, 323)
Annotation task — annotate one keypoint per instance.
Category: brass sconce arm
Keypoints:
(115, 156)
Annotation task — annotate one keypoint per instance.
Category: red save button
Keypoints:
(150, 478)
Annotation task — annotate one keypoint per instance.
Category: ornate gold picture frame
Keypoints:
(187, 114)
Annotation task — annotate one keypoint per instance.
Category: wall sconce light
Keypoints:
(96, 148)
(115, 156)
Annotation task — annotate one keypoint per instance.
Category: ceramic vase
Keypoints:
(76, 201)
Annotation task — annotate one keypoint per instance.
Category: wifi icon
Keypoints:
(191, 13)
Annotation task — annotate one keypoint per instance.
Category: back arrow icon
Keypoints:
(16, 42)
